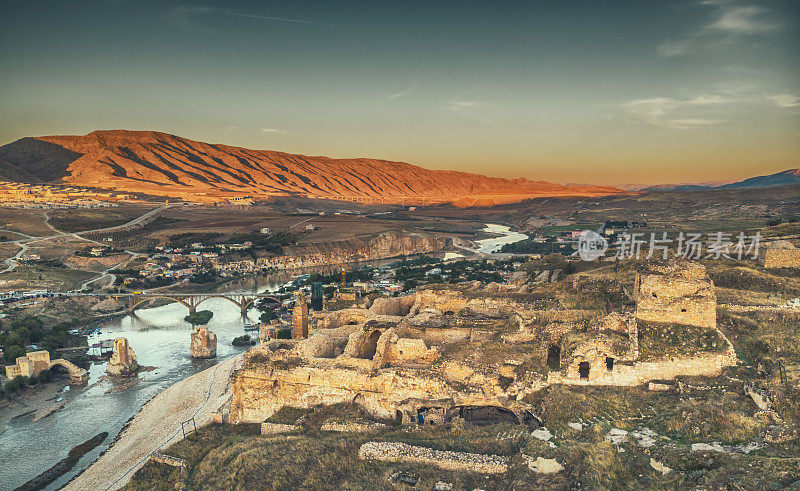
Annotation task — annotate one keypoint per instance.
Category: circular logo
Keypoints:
(591, 245)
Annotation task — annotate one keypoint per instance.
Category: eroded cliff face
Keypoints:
(382, 246)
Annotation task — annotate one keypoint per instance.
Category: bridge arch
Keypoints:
(134, 305)
(253, 300)
(77, 375)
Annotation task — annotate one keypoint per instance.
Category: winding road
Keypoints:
(23, 244)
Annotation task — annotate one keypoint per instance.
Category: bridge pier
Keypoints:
(192, 305)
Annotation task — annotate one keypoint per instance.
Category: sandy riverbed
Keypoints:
(158, 424)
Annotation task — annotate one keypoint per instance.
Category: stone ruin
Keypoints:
(780, 254)
(30, 365)
(123, 362)
(679, 292)
(204, 344)
(394, 356)
(300, 317)
(35, 362)
(607, 352)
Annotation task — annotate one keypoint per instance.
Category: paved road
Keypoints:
(12, 262)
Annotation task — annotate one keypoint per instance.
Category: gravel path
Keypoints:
(158, 424)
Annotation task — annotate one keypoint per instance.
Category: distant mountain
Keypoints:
(791, 176)
(167, 165)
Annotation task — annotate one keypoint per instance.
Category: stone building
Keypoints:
(204, 344)
(300, 317)
(780, 254)
(123, 360)
(35, 362)
(30, 365)
(268, 331)
(679, 292)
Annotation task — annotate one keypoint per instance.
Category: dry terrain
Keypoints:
(167, 165)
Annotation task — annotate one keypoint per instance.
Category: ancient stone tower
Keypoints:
(300, 317)
(123, 361)
(204, 344)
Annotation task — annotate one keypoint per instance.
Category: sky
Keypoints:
(612, 92)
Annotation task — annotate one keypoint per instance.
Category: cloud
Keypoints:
(186, 18)
(730, 22)
(742, 20)
(785, 100)
(667, 112)
(707, 100)
(412, 87)
(705, 109)
(471, 110)
(461, 106)
(279, 19)
(272, 131)
(672, 49)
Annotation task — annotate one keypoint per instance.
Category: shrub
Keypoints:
(13, 352)
(243, 340)
(199, 318)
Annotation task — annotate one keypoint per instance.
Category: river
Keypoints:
(494, 244)
(160, 338)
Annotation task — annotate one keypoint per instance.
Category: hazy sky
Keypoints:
(605, 92)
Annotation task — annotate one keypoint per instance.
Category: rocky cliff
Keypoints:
(370, 248)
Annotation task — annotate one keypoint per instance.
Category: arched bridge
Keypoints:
(193, 300)
(77, 375)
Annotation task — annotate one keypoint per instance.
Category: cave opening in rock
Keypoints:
(485, 415)
(583, 370)
(609, 363)
(554, 357)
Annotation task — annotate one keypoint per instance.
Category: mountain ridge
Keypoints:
(159, 163)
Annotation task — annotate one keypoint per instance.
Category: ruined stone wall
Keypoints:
(123, 360)
(257, 394)
(203, 344)
(780, 258)
(30, 365)
(677, 299)
(638, 373)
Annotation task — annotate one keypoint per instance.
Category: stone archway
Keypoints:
(371, 344)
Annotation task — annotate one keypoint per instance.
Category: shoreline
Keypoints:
(31, 401)
(157, 425)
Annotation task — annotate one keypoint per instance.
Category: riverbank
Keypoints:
(31, 400)
(158, 424)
